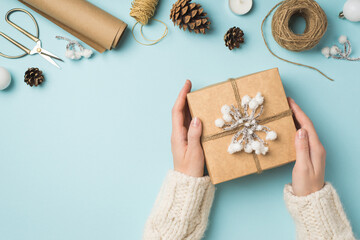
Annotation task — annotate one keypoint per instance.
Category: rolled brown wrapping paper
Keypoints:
(92, 25)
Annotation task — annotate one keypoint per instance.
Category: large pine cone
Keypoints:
(233, 37)
(189, 16)
(33, 77)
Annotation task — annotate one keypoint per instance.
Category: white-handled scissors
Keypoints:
(37, 49)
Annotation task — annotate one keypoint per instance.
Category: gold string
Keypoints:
(299, 64)
(150, 40)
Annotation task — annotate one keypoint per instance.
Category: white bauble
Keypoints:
(351, 10)
(5, 78)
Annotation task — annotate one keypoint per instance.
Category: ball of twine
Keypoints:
(316, 24)
(143, 10)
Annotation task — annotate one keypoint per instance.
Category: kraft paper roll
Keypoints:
(92, 25)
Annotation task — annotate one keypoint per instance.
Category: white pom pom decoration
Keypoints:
(87, 53)
(219, 123)
(234, 147)
(326, 52)
(253, 104)
(342, 39)
(70, 53)
(256, 145)
(246, 126)
(227, 118)
(245, 100)
(259, 98)
(225, 109)
(334, 50)
(248, 148)
(271, 135)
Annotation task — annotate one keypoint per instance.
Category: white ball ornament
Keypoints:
(271, 135)
(351, 10)
(225, 109)
(342, 39)
(227, 118)
(5, 78)
(219, 122)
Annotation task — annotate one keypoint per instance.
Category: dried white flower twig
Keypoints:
(336, 53)
(246, 138)
(71, 51)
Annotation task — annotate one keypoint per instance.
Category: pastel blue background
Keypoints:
(84, 155)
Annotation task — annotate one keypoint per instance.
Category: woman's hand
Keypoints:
(309, 170)
(185, 138)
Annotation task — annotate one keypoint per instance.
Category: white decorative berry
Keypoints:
(334, 50)
(219, 122)
(87, 53)
(225, 109)
(326, 51)
(245, 100)
(5, 78)
(342, 39)
(271, 135)
(253, 104)
(248, 148)
(259, 98)
(227, 118)
(246, 125)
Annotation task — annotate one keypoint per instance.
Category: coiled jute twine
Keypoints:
(316, 25)
(143, 11)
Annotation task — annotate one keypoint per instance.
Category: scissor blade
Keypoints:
(50, 60)
(47, 53)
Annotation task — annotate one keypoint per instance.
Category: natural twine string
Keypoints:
(143, 11)
(316, 25)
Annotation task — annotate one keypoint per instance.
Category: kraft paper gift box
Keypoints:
(206, 104)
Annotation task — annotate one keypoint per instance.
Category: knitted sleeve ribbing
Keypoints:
(181, 209)
(319, 215)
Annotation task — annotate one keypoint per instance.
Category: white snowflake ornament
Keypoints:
(337, 53)
(247, 124)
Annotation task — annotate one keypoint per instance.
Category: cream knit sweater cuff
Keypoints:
(182, 208)
(319, 215)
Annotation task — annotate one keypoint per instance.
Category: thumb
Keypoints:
(194, 133)
(302, 148)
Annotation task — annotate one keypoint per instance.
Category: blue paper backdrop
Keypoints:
(84, 155)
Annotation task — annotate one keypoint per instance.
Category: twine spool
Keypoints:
(143, 11)
(316, 26)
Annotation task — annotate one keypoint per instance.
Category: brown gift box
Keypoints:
(206, 104)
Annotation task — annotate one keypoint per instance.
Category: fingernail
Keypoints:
(195, 122)
(302, 133)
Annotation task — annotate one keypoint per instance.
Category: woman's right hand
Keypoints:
(309, 170)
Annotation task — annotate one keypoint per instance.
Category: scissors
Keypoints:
(37, 49)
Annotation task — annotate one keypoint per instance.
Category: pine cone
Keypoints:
(33, 77)
(189, 16)
(233, 38)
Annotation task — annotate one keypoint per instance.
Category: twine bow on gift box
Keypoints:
(239, 127)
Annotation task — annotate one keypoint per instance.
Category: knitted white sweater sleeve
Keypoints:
(181, 209)
(319, 215)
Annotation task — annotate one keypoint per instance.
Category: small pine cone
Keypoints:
(233, 37)
(33, 77)
(189, 16)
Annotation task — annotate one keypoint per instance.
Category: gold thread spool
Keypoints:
(143, 11)
(316, 26)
